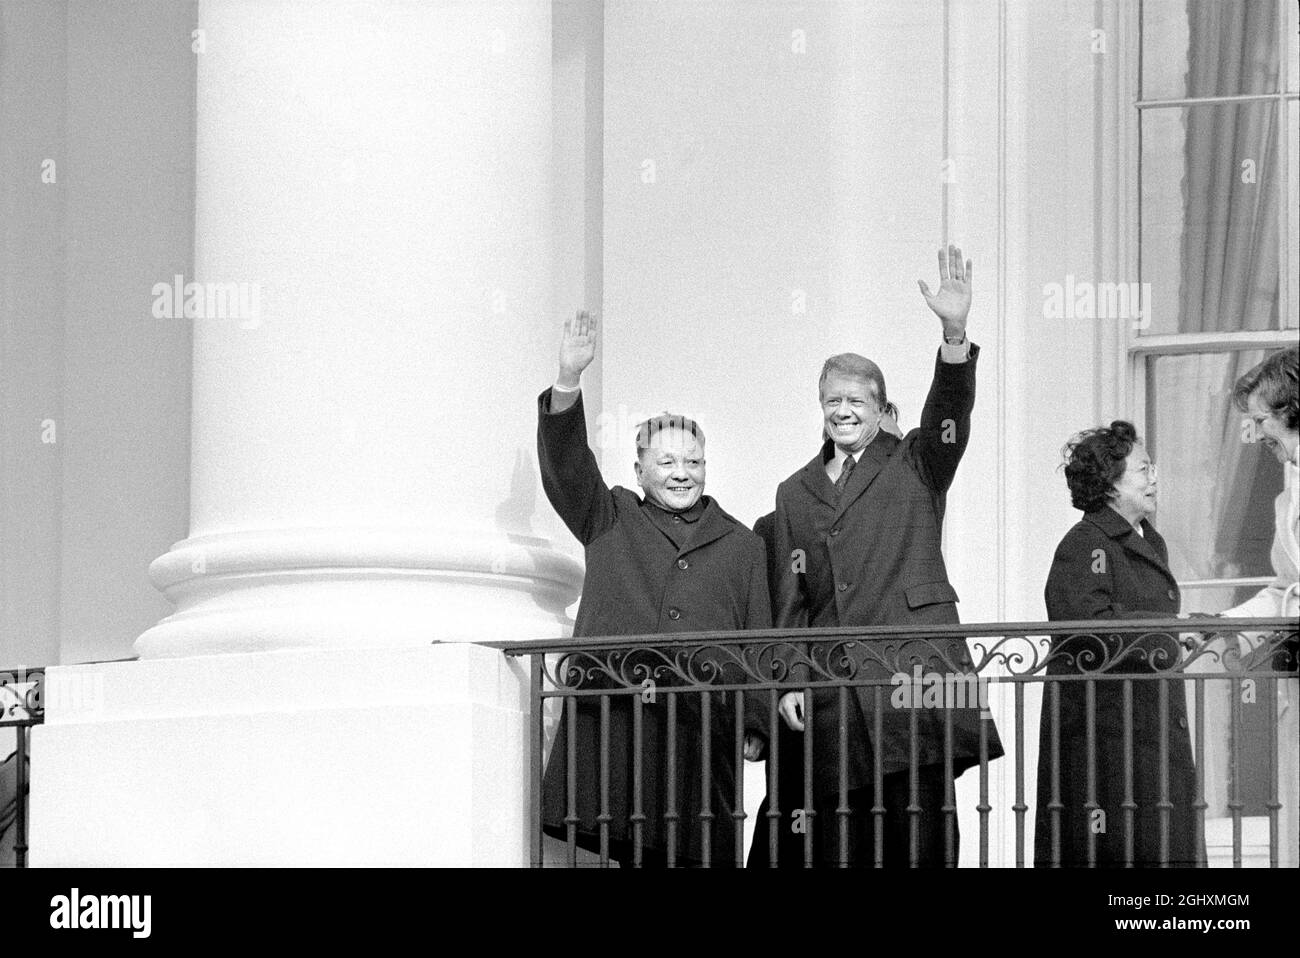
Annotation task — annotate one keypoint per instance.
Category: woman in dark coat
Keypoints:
(1114, 565)
(672, 561)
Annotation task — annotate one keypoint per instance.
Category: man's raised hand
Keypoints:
(577, 348)
(952, 302)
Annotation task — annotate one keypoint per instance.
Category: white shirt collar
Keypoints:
(835, 464)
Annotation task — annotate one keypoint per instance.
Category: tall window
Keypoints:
(1217, 123)
(1217, 243)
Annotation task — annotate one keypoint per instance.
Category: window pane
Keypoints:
(1216, 490)
(1209, 47)
(1209, 188)
(1293, 213)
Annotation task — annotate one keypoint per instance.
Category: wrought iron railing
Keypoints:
(20, 709)
(692, 676)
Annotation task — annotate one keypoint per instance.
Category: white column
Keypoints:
(364, 474)
(377, 174)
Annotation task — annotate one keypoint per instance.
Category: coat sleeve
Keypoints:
(1081, 585)
(941, 439)
(790, 590)
(758, 608)
(1281, 595)
(570, 476)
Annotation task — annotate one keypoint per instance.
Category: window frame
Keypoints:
(1133, 350)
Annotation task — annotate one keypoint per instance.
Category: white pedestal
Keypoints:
(412, 756)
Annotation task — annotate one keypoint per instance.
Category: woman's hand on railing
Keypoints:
(755, 746)
(1192, 641)
(791, 709)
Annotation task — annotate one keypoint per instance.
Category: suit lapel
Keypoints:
(1139, 545)
(1149, 545)
(713, 525)
(870, 463)
(1155, 543)
(814, 478)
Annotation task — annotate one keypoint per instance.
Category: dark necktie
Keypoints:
(847, 471)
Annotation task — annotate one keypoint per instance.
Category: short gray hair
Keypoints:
(647, 430)
(859, 367)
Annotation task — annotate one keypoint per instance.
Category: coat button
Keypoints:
(835, 531)
(1172, 593)
(1182, 721)
(677, 518)
(674, 614)
(683, 564)
(844, 587)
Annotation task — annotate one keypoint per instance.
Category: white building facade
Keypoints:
(302, 513)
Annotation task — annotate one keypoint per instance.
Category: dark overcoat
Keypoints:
(1104, 569)
(870, 557)
(790, 767)
(639, 582)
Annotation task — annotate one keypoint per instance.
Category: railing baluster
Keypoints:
(1200, 805)
(535, 766)
(571, 779)
(1020, 808)
(20, 807)
(949, 809)
(1129, 805)
(914, 786)
(1090, 806)
(1235, 804)
(809, 808)
(738, 803)
(842, 810)
(706, 778)
(1165, 806)
(1054, 806)
(637, 818)
(603, 819)
(984, 807)
(773, 780)
(1271, 689)
(878, 779)
(670, 806)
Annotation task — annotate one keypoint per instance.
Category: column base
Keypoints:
(358, 588)
(414, 756)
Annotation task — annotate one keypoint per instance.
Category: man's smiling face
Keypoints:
(670, 470)
(850, 410)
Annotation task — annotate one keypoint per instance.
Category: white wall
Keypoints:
(32, 70)
(789, 217)
(127, 375)
(106, 89)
